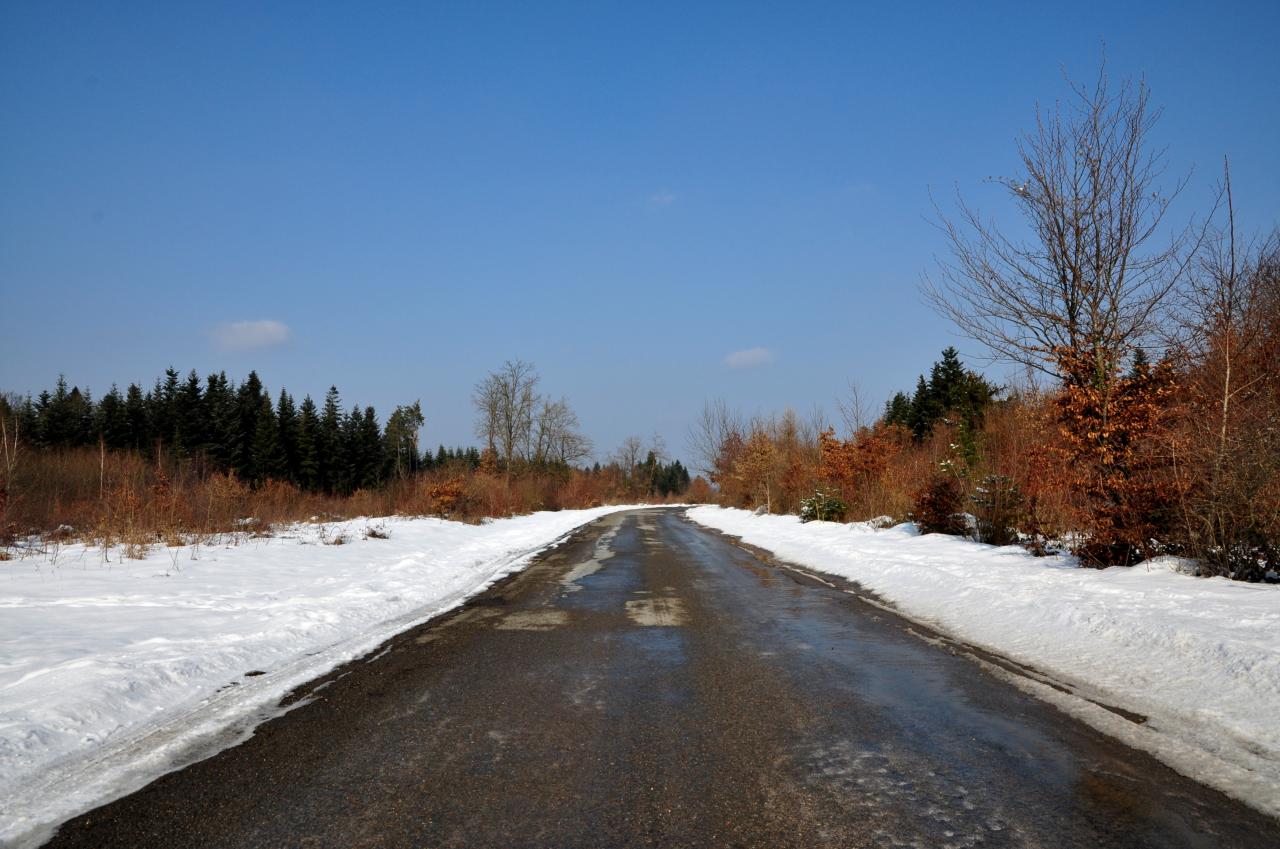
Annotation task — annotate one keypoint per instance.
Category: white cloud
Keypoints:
(750, 358)
(249, 335)
(663, 198)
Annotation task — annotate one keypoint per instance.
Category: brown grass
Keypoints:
(129, 499)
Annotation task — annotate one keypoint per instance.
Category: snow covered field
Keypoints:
(1200, 657)
(113, 672)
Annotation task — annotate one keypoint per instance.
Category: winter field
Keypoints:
(114, 671)
(1198, 657)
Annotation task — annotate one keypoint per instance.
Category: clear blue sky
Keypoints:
(623, 194)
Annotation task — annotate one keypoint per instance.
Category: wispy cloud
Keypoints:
(663, 198)
(750, 358)
(249, 335)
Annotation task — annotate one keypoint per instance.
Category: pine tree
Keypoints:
(924, 410)
(897, 411)
(112, 421)
(66, 417)
(190, 417)
(1141, 365)
(164, 396)
(138, 415)
(329, 446)
(288, 426)
(266, 455)
(41, 407)
(249, 406)
(308, 445)
(350, 452)
(372, 455)
(222, 434)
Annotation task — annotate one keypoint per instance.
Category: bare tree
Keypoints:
(853, 409)
(556, 437)
(1230, 450)
(505, 402)
(713, 428)
(628, 455)
(9, 444)
(1095, 272)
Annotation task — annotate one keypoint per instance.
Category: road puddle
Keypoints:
(660, 612)
(603, 552)
(534, 620)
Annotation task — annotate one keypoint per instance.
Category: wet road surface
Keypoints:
(649, 683)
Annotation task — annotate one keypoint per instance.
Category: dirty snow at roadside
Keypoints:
(1199, 657)
(112, 672)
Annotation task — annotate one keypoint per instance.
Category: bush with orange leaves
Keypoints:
(1110, 423)
(856, 467)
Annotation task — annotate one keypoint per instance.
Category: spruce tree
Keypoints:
(190, 416)
(351, 452)
(288, 426)
(249, 406)
(897, 411)
(924, 410)
(266, 455)
(112, 422)
(222, 433)
(308, 445)
(138, 416)
(329, 446)
(372, 453)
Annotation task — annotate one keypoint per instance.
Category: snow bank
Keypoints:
(1200, 657)
(113, 672)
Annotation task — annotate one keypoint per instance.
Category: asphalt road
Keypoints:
(649, 683)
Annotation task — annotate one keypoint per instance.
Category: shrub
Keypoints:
(997, 506)
(822, 507)
(937, 507)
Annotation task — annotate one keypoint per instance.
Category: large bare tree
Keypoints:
(556, 438)
(518, 424)
(715, 426)
(505, 402)
(1096, 260)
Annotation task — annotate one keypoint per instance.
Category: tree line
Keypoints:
(237, 428)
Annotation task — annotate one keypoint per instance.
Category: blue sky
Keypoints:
(624, 194)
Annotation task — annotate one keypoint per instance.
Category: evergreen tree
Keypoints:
(350, 452)
(401, 439)
(164, 425)
(222, 432)
(82, 409)
(924, 410)
(137, 412)
(65, 418)
(897, 411)
(951, 391)
(249, 406)
(112, 420)
(266, 455)
(189, 416)
(1141, 365)
(372, 455)
(330, 443)
(289, 428)
(308, 445)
